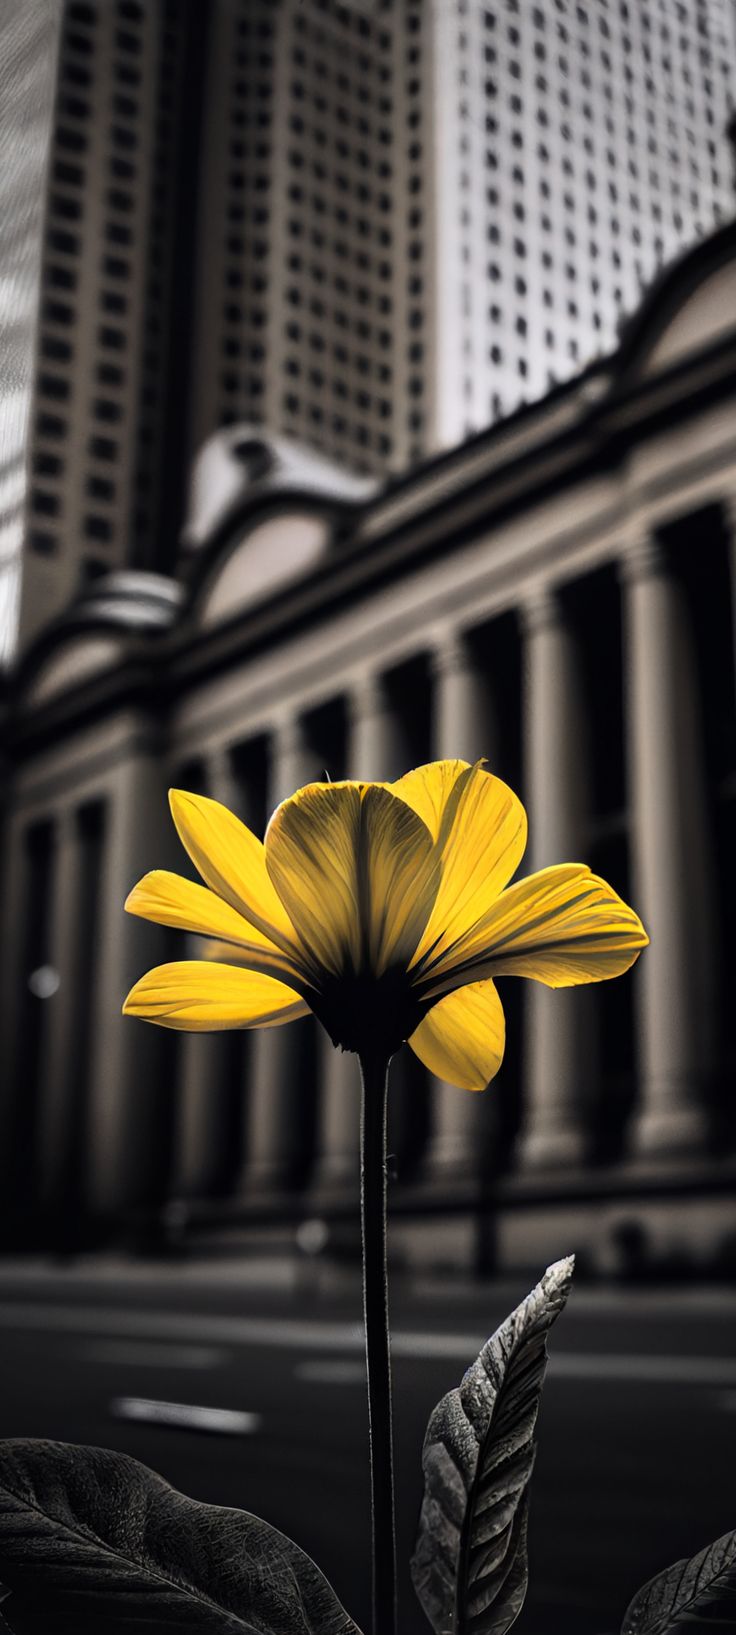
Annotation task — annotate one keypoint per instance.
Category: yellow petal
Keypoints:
(311, 852)
(399, 873)
(201, 998)
(483, 849)
(357, 872)
(562, 926)
(232, 862)
(431, 791)
(462, 1038)
(169, 899)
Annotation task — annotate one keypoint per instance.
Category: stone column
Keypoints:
(127, 1126)
(728, 512)
(463, 730)
(670, 855)
(207, 1064)
(59, 1072)
(14, 974)
(374, 741)
(558, 1054)
(281, 1075)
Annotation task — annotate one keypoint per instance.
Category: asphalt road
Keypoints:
(636, 1440)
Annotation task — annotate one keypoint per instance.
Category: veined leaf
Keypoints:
(91, 1540)
(470, 1560)
(696, 1596)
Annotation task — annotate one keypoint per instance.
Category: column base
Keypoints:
(334, 1181)
(449, 1173)
(670, 1131)
(264, 1187)
(552, 1148)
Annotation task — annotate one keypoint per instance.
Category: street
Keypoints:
(636, 1437)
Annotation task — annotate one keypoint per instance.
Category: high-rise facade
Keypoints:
(300, 278)
(423, 213)
(578, 147)
(105, 454)
(374, 227)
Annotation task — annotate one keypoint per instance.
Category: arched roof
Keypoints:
(689, 308)
(245, 468)
(95, 632)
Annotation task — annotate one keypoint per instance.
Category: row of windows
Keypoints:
(337, 181)
(320, 71)
(244, 181)
(148, 453)
(52, 387)
(338, 385)
(416, 380)
(351, 21)
(356, 430)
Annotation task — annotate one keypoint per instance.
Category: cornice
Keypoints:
(588, 429)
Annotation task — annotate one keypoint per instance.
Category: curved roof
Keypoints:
(135, 600)
(670, 293)
(241, 468)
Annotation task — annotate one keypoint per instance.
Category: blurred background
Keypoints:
(368, 395)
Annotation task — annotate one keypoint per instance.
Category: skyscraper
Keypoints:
(106, 454)
(375, 227)
(582, 146)
(28, 42)
(422, 213)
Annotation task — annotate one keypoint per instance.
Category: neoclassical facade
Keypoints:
(557, 595)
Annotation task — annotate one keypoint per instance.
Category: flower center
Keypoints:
(361, 1011)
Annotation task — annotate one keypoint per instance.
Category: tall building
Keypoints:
(376, 228)
(107, 452)
(450, 205)
(577, 148)
(302, 273)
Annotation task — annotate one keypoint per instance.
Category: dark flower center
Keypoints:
(364, 1012)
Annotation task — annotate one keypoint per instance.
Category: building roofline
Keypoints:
(586, 424)
(665, 294)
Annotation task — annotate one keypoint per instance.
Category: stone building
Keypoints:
(558, 595)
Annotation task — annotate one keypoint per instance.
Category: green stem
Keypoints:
(374, 1073)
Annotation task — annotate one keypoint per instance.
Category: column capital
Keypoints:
(64, 824)
(727, 504)
(366, 696)
(287, 734)
(372, 732)
(541, 609)
(219, 775)
(449, 653)
(643, 557)
(291, 761)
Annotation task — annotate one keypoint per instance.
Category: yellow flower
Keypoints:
(382, 909)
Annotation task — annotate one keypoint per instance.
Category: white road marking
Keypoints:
(642, 1369)
(142, 1354)
(295, 1334)
(188, 1416)
(331, 1373)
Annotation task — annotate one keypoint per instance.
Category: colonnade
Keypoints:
(284, 1096)
(668, 846)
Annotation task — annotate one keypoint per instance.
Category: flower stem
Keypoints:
(374, 1073)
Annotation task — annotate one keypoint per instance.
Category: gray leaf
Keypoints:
(697, 1595)
(91, 1540)
(470, 1560)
